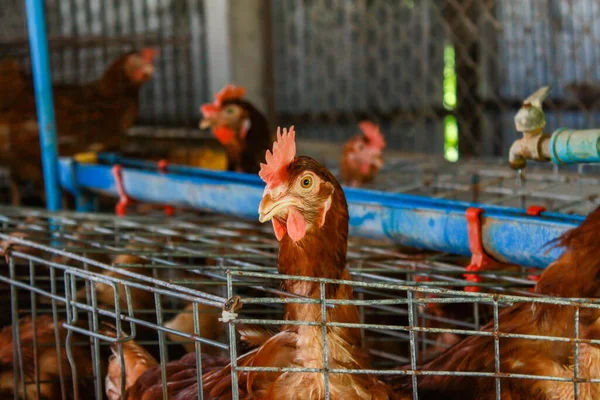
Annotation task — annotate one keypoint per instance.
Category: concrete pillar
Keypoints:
(239, 41)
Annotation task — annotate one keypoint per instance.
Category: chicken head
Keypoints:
(298, 194)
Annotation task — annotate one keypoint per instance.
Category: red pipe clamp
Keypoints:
(479, 259)
(124, 200)
(162, 168)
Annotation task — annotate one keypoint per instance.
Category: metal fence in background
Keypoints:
(86, 36)
(440, 76)
(426, 68)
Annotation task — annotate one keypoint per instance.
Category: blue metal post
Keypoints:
(38, 44)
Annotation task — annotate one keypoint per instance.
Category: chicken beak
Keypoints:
(377, 162)
(206, 123)
(148, 70)
(270, 207)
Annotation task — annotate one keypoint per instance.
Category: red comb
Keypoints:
(209, 110)
(148, 54)
(284, 152)
(373, 134)
(229, 92)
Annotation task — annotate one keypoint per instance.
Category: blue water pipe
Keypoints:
(570, 146)
(43, 98)
(509, 234)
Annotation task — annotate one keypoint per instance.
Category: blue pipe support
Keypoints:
(43, 98)
(570, 146)
(509, 235)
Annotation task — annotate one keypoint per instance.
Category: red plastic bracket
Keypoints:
(479, 258)
(162, 168)
(535, 211)
(124, 200)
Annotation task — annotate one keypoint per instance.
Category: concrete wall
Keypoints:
(238, 39)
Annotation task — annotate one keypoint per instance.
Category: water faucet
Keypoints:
(530, 121)
(564, 146)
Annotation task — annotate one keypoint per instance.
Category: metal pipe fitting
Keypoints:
(530, 120)
(565, 146)
(533, 146)
(570, 146)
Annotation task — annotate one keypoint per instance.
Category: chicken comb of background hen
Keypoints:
(148, 54)
(284, 152)
(229, 92)
(225, 135)
(373, 134)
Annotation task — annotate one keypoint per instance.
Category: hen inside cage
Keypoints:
(95, 288)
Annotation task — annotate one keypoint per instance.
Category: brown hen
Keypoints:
(41, 363)
(89, 117)
(309, 213)
(239, 127)
(361, 157)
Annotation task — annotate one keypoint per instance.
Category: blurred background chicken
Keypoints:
(239, 127)
(90, 117)
(361, 157)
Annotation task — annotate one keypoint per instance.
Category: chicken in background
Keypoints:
(361, 157)
(137, 360)
(209, 327)
(309, 214)
(142, 299)
(239, 127)
(573, 275)
(38, 352)
(89, 118)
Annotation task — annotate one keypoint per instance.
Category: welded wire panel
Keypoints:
(569, 190)
(98, 282)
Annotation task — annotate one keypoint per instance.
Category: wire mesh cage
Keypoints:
(92, 286)
(489, 181)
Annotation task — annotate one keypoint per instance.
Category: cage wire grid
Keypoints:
(66, 266)
(490, 181)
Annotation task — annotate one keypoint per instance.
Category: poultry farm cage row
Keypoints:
(72, 275)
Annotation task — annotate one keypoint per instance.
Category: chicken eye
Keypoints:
(230, 110)
(306, 182)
